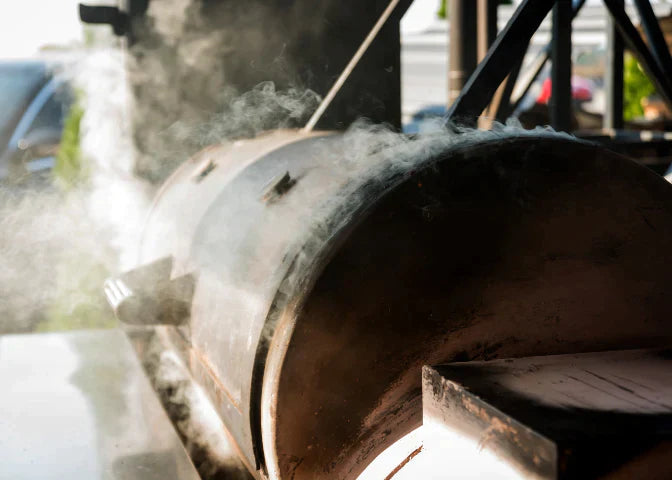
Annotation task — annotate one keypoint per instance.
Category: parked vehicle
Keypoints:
(34, 102)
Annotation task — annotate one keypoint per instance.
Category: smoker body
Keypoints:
(329, 268)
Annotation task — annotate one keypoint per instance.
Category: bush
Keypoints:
(69, 167)
(636, 87)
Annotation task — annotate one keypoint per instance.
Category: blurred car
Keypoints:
(582, 90)
(426, 120)
(34, 102)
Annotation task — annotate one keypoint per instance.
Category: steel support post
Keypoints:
(509, 46)
(561, 72)
(613, 81)
(462, 45)
(539, 62)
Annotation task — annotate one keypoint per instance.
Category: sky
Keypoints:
(26, 25)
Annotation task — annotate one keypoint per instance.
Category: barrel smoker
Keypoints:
(306, 277)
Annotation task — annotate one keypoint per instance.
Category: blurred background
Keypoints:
(79, 160)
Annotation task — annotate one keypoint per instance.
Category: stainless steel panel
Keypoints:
(79, 406)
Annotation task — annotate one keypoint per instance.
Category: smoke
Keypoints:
(59, 239)
(48, 258)
(60, 236)
(367, 161)
(144, 113)
(245, 116)
(186, 68)
(195, 418)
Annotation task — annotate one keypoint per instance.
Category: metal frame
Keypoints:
(541, 60)
(507, 51)
(640, 50)
(509, 46)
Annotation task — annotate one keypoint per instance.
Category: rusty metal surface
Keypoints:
(505, 249)
(314, 311)
(559, 416)
(78, 406)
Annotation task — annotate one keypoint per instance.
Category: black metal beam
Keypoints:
(509, 46)
(613, 79)
(541, 60)
(560, 104)
(639, 49)
(657, 42)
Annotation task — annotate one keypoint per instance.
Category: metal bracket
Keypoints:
(148, 296)
(105, 15)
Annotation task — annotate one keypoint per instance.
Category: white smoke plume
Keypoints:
(58, 244)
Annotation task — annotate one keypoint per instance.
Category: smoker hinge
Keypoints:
(148, 296)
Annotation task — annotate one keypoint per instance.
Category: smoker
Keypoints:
(325, 276)
(305, 277)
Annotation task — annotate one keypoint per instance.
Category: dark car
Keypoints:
(34, 102)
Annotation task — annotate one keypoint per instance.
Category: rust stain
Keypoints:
(497, 427)
(474, 409)
(209, 370)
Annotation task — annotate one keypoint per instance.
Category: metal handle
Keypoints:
(104, 15)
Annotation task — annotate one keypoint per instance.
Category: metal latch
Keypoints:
(148, 296)
(277, 187)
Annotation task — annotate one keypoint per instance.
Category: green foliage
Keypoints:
(443, 9)
(78, 300)
(69, 168)
(636, 86)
